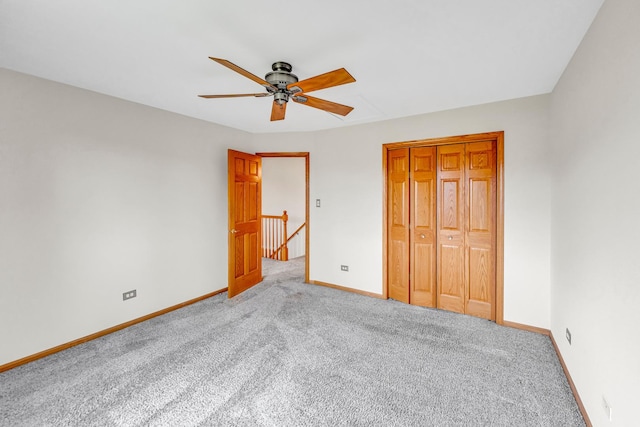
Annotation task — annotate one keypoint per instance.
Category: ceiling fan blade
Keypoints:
(242, 71)
(277, 111)
(332, 107)
(323, 81)
(236, 95)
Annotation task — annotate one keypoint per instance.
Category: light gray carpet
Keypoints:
(289, 354)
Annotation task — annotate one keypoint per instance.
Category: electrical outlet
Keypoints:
(317, 203)
(129, 295)
(568, 336)
(607, 408)
(344, 267)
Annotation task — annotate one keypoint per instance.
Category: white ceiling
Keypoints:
(408, 56)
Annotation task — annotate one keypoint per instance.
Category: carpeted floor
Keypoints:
(289, 354)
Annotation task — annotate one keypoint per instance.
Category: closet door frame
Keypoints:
(498, 138)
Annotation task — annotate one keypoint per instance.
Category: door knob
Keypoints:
(234, 231)
(422, 236)
(450, 237)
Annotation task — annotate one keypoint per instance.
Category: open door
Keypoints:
(245, 210)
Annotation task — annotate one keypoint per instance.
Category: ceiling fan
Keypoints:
(284, 85)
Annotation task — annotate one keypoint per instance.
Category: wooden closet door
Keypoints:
(451, 227)
(423, 226)
(398, 224)
(480, 241)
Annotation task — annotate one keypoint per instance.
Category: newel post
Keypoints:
(285, 250)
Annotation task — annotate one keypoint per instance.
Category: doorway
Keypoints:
(297, 217)
(443, 223)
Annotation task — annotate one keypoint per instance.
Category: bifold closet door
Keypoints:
(441, 225)
(480, 242)
(422, 225)
(467, 228)
(411, 216)
(398, 224)
(451, 228)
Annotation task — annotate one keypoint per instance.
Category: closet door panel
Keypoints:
(398, 224)
(481, 229)
(423, 226)
(451, 230)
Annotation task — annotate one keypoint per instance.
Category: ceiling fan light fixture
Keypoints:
(280, 98)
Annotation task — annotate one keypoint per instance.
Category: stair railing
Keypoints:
(274, 236)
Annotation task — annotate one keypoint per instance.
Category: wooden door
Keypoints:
(480, 242)
(245, 209)
(422, 277)
(451, 227)
(398, 224)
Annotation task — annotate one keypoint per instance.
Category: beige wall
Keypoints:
(595, 214)
(99, 196)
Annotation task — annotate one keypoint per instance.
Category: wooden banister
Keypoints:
(285, 246)
(296, 232)
(274, 236)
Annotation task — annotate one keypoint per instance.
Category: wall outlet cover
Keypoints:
(129, 295)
